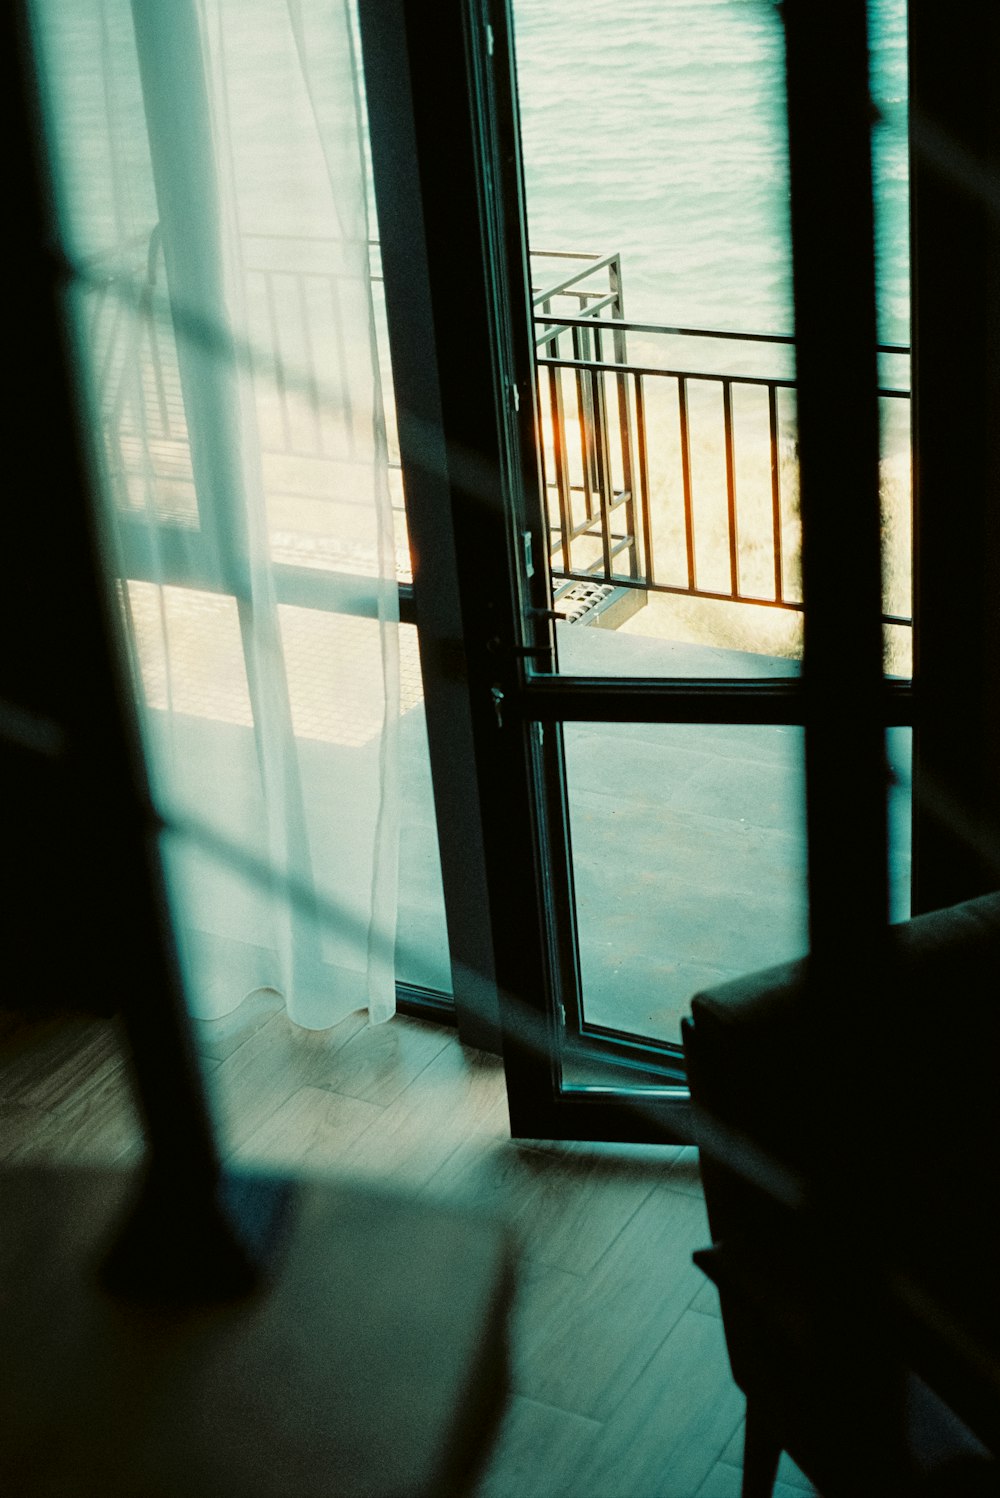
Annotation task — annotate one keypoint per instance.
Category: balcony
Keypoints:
(669, 471)
(669, 460)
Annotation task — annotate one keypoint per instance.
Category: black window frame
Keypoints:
(446, 141)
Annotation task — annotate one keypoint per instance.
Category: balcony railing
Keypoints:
(662, 472)
(666, 468)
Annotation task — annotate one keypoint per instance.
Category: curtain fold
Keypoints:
(210, 172)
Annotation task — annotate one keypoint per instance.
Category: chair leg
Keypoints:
(761, 1454)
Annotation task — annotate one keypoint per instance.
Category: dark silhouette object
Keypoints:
(86, 895)
(371, 1365)
(856, 1250)
(847, 1107)
(263, 1335)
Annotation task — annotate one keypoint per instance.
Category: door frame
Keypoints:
(443, 118)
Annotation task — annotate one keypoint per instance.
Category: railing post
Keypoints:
(581, 352)
(602, 466)
(685, 434)
(619, 339)
(772, 426)
(560, 457)
(731, 515)
(647, 519)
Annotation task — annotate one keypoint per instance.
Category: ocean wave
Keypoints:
(659, 133)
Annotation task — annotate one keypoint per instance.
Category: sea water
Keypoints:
(658, 130)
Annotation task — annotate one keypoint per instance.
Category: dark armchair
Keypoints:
(853, 1196)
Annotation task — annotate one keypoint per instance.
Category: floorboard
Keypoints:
(620, 1381)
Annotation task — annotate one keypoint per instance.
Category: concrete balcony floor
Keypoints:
(688, 841)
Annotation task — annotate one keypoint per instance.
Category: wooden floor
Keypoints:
(621, 1387)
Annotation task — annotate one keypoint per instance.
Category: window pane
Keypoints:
(689, 860)
(657, 198)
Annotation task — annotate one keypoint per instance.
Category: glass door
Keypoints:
(660, 265)
(620, 492)
(668, 442)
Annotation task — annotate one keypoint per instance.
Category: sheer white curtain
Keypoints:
(210, 171)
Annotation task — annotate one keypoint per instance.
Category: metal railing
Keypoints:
(606, 501)
(629, 501)
(642, 458)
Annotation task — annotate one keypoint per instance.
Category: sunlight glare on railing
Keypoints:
(670, 456)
